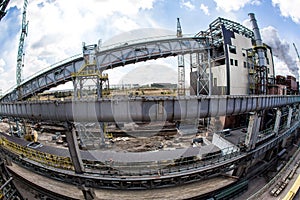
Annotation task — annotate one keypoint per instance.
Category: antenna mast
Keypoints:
(21, 53)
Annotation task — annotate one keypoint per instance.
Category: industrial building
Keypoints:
(234, 64)
(90, 145)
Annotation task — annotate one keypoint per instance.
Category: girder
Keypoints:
(143, 109)
(108, 58)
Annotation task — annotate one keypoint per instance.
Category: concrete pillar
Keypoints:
(289, 118)
(298, 112)
(240, 171)
(74, 149)
(253, 130)
(277, 122)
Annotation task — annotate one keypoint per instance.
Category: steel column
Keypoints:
(277, 122)
(253, 129)
(74, 149)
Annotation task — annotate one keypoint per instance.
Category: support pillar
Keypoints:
(298, 112)
(277, 122)
(74, 149)
(240, 171)
(289, 119)
(253, 130)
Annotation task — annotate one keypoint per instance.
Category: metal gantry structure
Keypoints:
(108, 58)
(24, 31)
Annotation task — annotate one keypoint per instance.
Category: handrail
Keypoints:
(136, 41)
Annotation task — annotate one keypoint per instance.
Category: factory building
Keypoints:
(234, 62)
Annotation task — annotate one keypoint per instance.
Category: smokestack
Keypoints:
(255, 28)
(261, 54)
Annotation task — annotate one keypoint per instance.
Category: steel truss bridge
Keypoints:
(73, 166)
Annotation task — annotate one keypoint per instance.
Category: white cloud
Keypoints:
(289, 9)
(125, 24)
(281, 49)
(2, 64)
(58, 28)
(187, 4)
(234, 5)
(204, 8)
(247, 23)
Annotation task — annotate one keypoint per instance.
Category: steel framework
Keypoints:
(89, 78)
(107, 59)
(3, 5)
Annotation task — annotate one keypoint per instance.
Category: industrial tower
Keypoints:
(21, 45)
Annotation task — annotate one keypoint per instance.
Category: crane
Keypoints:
(296, 51)
(21, 44)
(181, 70)
(3, 5)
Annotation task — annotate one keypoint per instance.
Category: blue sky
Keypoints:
(58, 28)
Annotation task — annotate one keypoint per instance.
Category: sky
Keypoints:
(57, 28)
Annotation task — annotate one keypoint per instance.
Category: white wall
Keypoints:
(239, 74)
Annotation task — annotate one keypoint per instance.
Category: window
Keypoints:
(244, 54)
(245, 64)
(231, 61)
(232, 49)
(215, 82)
(235, 62)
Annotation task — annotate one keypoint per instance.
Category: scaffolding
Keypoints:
(3, 5)
(257, 73)
(201, 62)
(89, 81)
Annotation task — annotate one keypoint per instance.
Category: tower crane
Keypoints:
(20, 57)
(3, 5)
(296, 51)
(181, 70)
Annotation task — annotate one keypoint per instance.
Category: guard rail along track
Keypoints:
(126, 175)
(143, 109)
